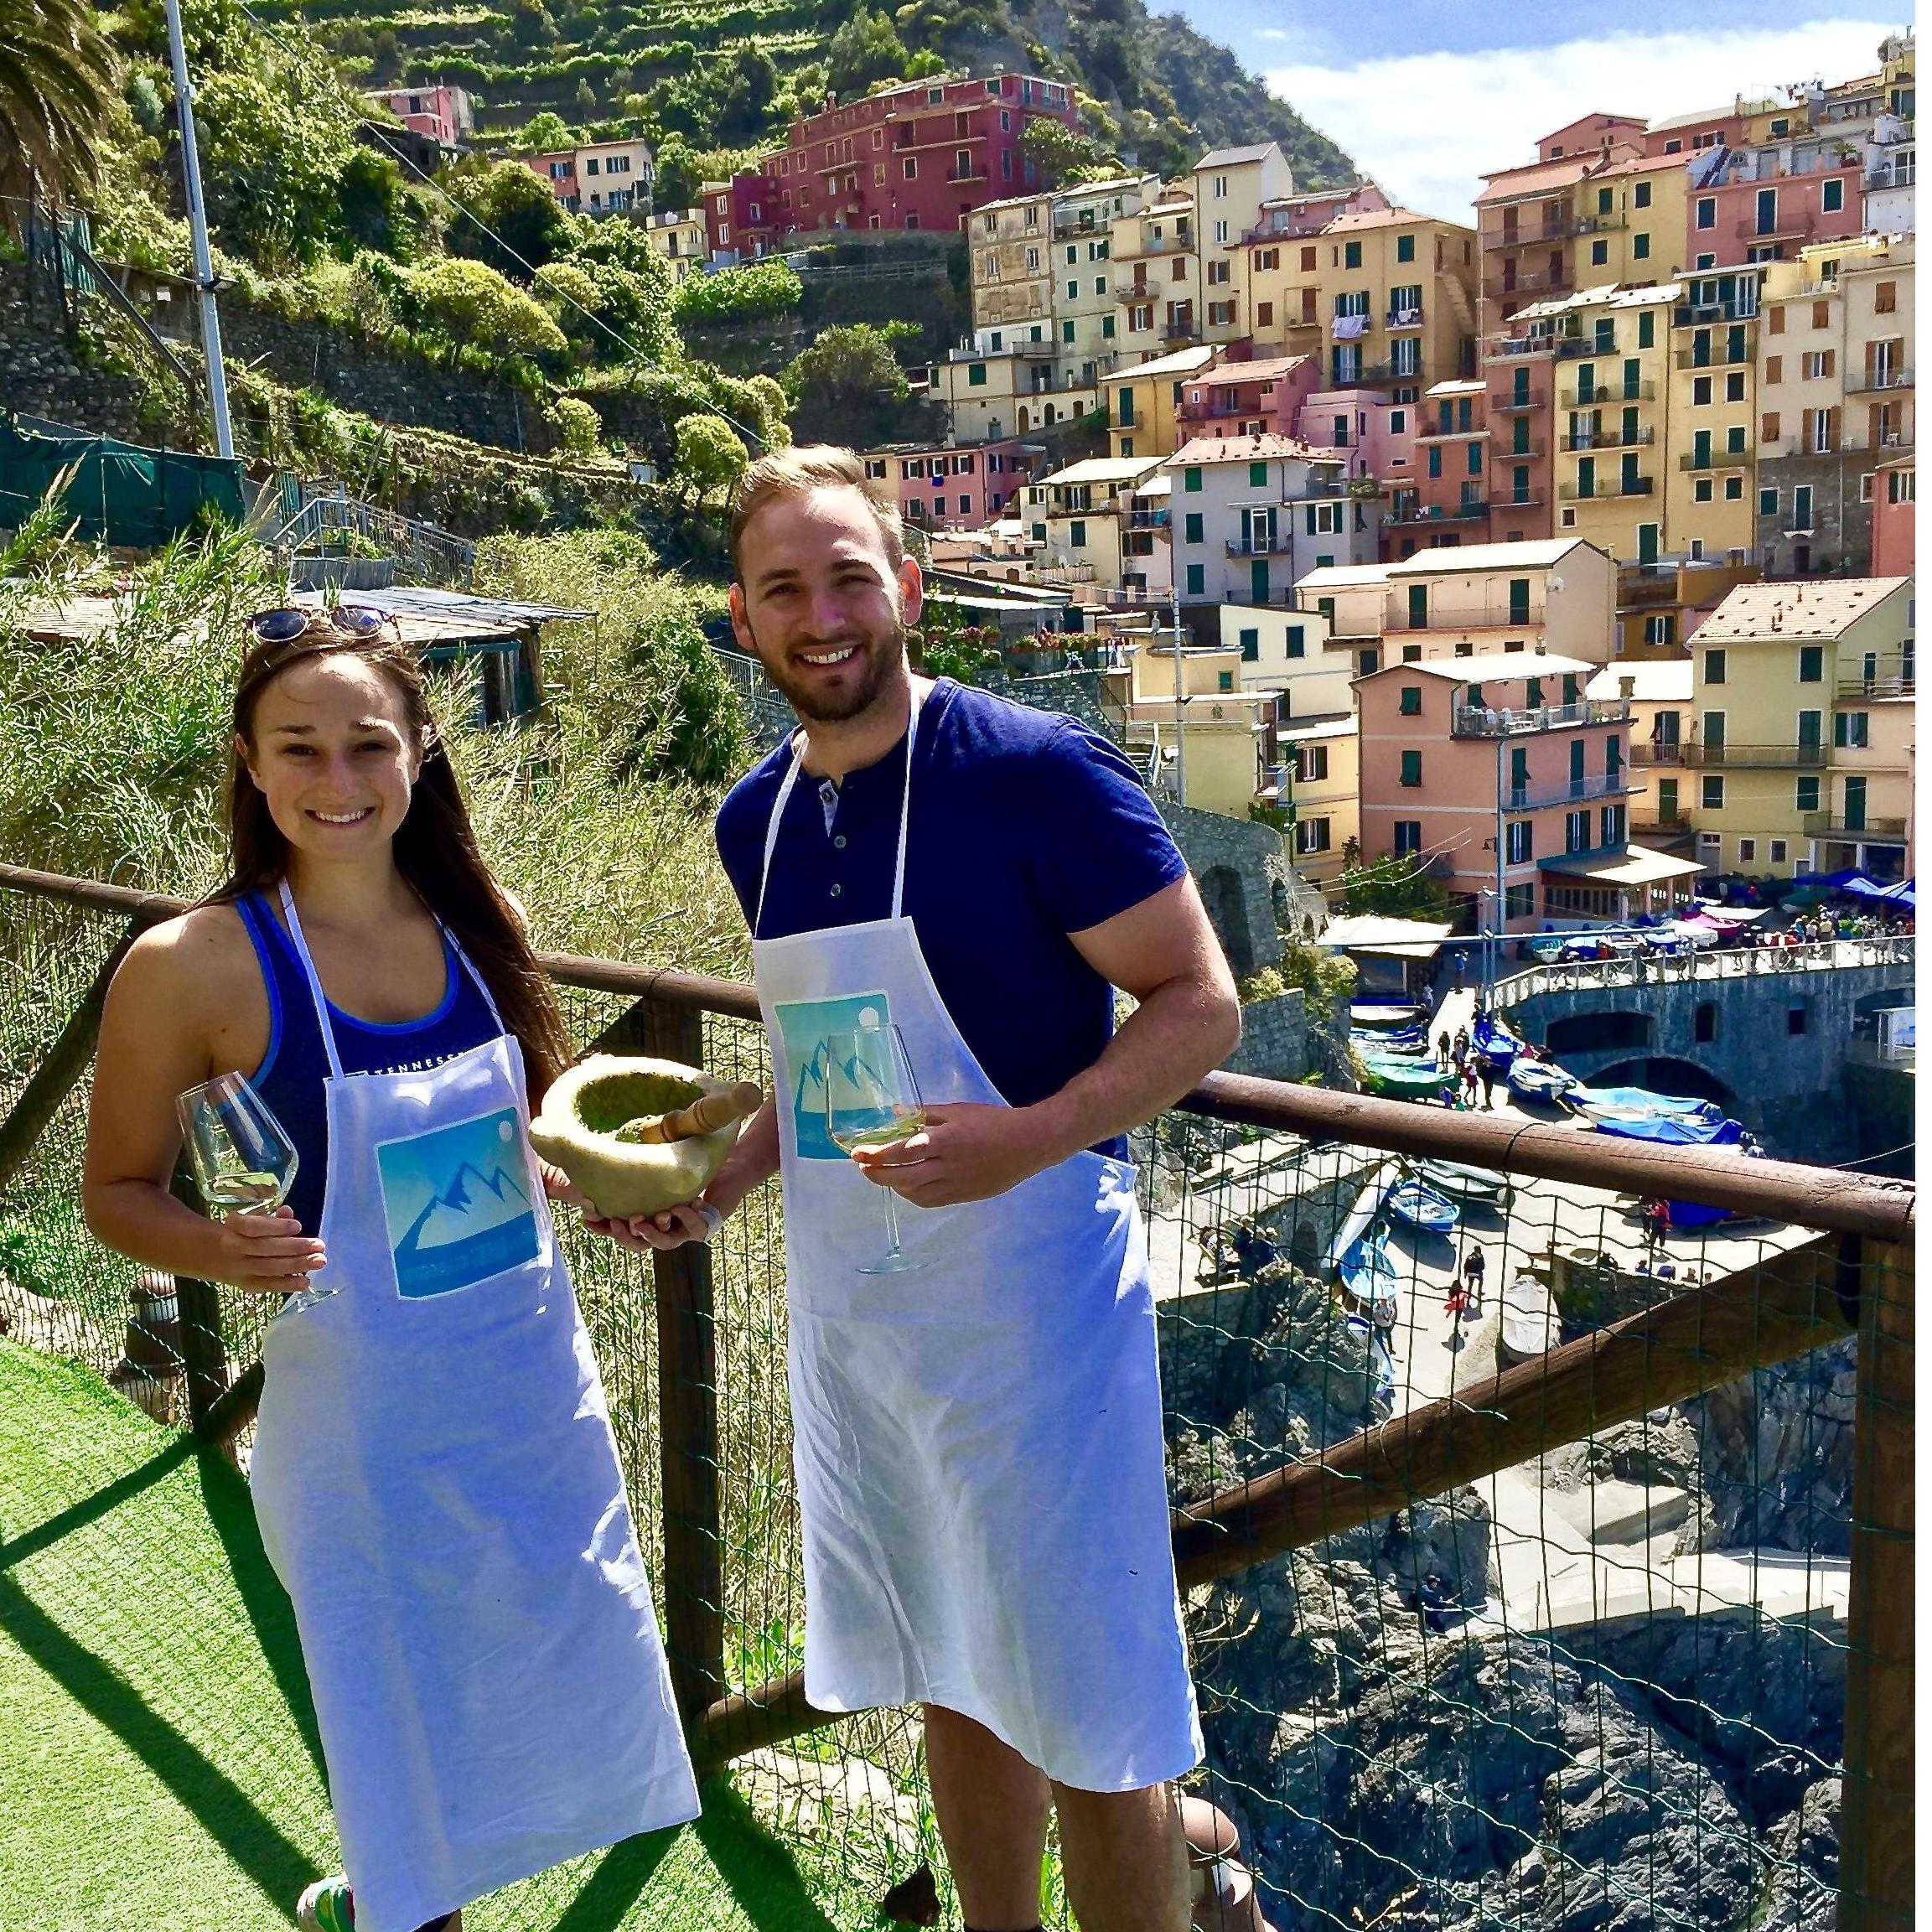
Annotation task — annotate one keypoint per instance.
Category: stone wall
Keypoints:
(42, 372)
(1238, 864)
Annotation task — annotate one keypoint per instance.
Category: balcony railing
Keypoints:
(1377, 375)
(1895, 176)
(1536, 281)
(1892, 685)
(1785, 228)
(1877, 381)
(1511, 404)
(1436, 513)
(1715, 459)
(1604, 439)
(1715, 357)
(1403, 318)
(1495, 721)
(1566, 791)
(1836, 825)
(1278, 545)
(1808, 756)
(1639, 392)
(1180, 332)
(1736, 308)
(1618, 486)
(1519, 499)
(1438, 434)
(1148, 519)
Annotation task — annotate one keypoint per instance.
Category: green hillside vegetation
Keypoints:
(726, 74)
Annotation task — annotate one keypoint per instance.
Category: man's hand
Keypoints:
(669, 1228)
(966, 1153)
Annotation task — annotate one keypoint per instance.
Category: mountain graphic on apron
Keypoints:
(457, 1213)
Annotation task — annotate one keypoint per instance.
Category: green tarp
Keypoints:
(122, 493)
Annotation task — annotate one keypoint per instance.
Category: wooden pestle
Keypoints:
(704, 1115)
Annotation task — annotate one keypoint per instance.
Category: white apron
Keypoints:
(978, 1441)
(439, 1492)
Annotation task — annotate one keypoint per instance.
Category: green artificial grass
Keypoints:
(161, 1763)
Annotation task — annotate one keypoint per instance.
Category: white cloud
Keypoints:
(1426, 125)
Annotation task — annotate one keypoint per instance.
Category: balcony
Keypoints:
(1403, 318)
(1148, 519)
(1180, 332)
(1877, 381)
(1495, 721)
(1536, 281)
(1134, 291)
(1522, 500)
(1709, 359)
(1872, 830)
(1381, 375)
(1791, 228)
(1439, 434)
(1069, 231)
(1436, 513)
(1613, 392)
(1635, 486)
(1716, 459)
(1514, 405)
(1899, 175)
(1607, 439)
(1805, 757)
(1276, 546)
(1896, 685)
(1566, 791)
(967, 175)
(1739, 309)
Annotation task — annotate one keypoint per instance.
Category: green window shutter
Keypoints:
(1475, 459)
(1570, 691)
(1412, 768)
(1605, 200)
(1810, 664)
(1197, 579)
(1807, 795)
(1076, 536)
(1418, 607)
(1308, 510)
(1066, 332)
(1435, 459)
(1191, 480)
(1257, 476)
(1405, 248)
(1411, 704)
(1520, 437)
(1107, 328)
(1251, 647)
(1258, 580)
(1646, 328)
(1351, 255)
(1639, 247)
(1298, 640)
(1575, 760)
(1191, 528)
(1518, 600)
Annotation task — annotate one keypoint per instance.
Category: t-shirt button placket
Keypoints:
(838, 841)
(836, 889)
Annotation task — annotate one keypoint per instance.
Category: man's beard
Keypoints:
(879, 657)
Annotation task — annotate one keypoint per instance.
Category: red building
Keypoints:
(1894, 497)
(949, 488)
(1254, 398)
(1764, 203)
(1446, 500)
(445, 114)
(923, 155)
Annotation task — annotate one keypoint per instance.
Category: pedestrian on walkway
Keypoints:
(1487, 1074)
(1474, 1266)
(1469, 1084)
(1461, 1045)
(1442, 1052)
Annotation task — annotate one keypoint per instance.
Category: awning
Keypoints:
(1636, 865)
(1375, 933)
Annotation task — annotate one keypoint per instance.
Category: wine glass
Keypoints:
(871, 1101)
(242, 1156)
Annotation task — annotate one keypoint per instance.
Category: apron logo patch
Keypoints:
(457, 1201)
(806, 1026)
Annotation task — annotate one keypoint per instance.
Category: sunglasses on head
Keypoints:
(287, 622)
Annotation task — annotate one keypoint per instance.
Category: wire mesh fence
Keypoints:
(1539, 1595)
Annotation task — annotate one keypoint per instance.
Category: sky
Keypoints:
(1427, 94)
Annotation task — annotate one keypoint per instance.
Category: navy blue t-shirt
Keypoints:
(1025, 826)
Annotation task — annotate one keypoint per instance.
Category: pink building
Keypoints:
(1894, 497)
(923, 155)
(1447, 502)
(1498, 774)
(1260, 398)
(1764, 203)
(445, 114)
(1378, 434)
(948, 489)
(1295, 216)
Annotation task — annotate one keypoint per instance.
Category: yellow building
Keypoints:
(1632, 214)
(1710, 475)
(1142, 400)
(677, 233)
(1316, 772)
(1386, 298)
(1659, 693)
(1156, 275)
(1230, 185)
(1009, 262)
(1801, 727)
(1083, 515)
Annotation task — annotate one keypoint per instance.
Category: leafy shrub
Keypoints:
(749, 293)
(470, 302)
(710, 458)
(579, 429)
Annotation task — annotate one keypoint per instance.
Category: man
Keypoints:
(977, 1438)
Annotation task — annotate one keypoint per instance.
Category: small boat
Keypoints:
(1420, 1206)
(1530, 1324)
(1383, 1013)
(1355, 1223)
(1539, 1081)
(1468, 1186)
(1407, 1045)
(1397, 1077)
(1494, 1043)
(1601, 1104)
(1381, 1363)
(1369, 1277)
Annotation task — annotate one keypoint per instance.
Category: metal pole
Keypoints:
(1180, 705)
(198, 232)
(1493, 952)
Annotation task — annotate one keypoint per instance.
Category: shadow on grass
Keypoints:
(230, 1508)
(89, 1508)
(279, 1867)
(759, 1873)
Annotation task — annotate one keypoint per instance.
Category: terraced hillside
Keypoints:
(727, 73)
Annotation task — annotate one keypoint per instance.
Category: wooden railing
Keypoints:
(1854, 1277)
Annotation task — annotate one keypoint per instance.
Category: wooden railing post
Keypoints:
(1875, 1861)
(203, 1353)
(686, 1407)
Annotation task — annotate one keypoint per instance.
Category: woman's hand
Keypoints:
(266, 1254)
(558, 1186)
(670, 1227)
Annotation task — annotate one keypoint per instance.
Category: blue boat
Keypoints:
(1420, 1206)
(1675, 1131)
(1369, 1278)
(1494, 1043)
(1381, 1363)
(1540, 1081)
(1601, 1104)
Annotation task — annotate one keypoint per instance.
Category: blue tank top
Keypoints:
(291, 1076)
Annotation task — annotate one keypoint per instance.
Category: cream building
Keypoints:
(1230, 185)
(1289, 652)
(1143, 400)
(1801, 727)
(1010, 267)
(1659, 693)
(1083, 515)
(677, 233)
(1155, 275)
(1086, 319)
(1710, 472)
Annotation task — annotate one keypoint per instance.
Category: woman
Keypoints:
(433, 1469)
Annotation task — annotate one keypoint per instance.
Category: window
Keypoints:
(1191, 480)
(1520, 840)
(910, 167)
(1257, 476)
(1713, 794)
(1351, 255)
(1704, 1023)
(1713, 667)
(1405, 248)
(1408, 837)
(1639, 247)
(1311, 763)
(1885, 298)
(1067, 331)
(1706, 211)
(1768, 502)
(1576, 831)
(1418, 607)
(1700, 389)
(1411, 771)
(1076, 534)
(1197, 579)
(1191, 527)
(1411, 701)
(1734, 387)
(1298, 640)
(1834, 200)
(1640, 194)
(1312, 834)
(1264, 315)
(1810, 664)
(1801, 506)
(1251, 640)
(1779, 851)
(1768, 430)
(1851, 730)
(1647, 329)
(1807, 795)
(977, 376)
(1733, 490)
(1599, 254)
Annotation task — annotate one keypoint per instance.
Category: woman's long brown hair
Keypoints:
(436, 848)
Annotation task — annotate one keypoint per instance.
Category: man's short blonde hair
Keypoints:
(796, 471)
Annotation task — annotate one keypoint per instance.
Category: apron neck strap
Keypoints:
(784, 798)
(321, 1020)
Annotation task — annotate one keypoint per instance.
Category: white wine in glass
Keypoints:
(872, 1100)
(242, 1158)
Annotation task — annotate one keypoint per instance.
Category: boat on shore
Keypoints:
(1369, 1277)
(1422, 1206)
(1467, 1186)
(1539, 1081)
(1397, 1077)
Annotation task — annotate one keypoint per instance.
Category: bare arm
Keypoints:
(1165, 953)
(155, 1043)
